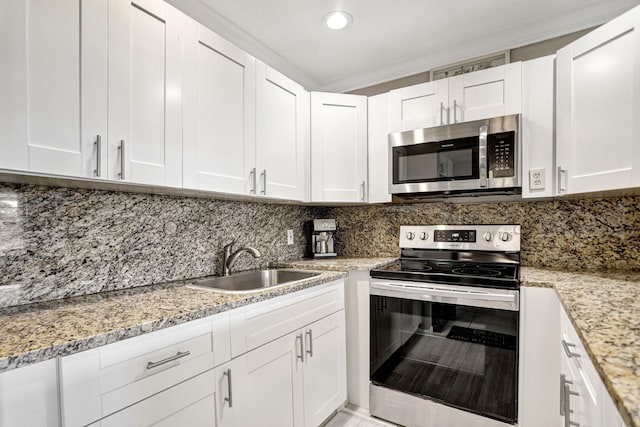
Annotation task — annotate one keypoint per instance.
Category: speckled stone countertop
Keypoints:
(37, 332)
(604, 308)
(337, 264)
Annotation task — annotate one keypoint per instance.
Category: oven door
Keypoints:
(453, 345)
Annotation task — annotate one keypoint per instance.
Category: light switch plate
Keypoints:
(536, 179)
(289, 237)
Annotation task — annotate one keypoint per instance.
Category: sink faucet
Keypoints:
(229, 258)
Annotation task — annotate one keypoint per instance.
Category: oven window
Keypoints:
(436, 161)
(461, 356)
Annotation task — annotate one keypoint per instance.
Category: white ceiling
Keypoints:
(389, 38)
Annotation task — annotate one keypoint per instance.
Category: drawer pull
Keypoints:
(567, 350)
(178, 355)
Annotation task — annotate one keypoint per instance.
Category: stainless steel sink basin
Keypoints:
(252, 281)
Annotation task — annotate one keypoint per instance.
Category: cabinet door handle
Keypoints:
(228, 399)
(309, 333)
(567, 406)
(121, 151)
(441, 113)
(563, 382)
(178, 355)
(562, 180)
(252, 177)
(362, 191)
(455, 112)
(98, 144)
(567, 350)
(301, 347)
(263, 178)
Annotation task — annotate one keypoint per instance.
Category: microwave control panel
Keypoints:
(501, 155)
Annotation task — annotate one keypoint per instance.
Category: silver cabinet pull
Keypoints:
(562, 180)
(455, 112)
(567, 350)
(98, 144)
(263, 178)
(252, 177)
(300, 340)
(121, 151)
(178, 355)
(228, 399)
(441, 113)
(309, 333)
(362, 191)
(567, 406)
(563, 382)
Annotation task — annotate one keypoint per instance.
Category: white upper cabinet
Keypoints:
(40, 88)
(537, 127)
(219, 114)
(338, 147)
(598, 105)
(474, 96)
(145, 92)
(282, 135)
(378, 148)
(484, 94)
(420, 106)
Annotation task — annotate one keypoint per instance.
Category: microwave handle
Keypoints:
(483, 155)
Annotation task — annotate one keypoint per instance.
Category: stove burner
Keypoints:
(457, 264)
(476, 272)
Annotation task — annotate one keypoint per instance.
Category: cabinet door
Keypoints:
(219, 114)
(325, 373)
(262, 387)
(484, 94)
(40, 87)
(598, 81)
(419, 106)
(282, 135)
(378, 148)
(338, 147)
(29, 396)
(145, 92)
(190, 403)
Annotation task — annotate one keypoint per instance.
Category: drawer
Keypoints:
(102, 381)
(190, 403)
(258, 324)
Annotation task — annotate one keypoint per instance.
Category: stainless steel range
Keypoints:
(444, 328)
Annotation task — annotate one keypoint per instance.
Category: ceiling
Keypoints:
(389, 39)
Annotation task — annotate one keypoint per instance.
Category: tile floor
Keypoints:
(352, 416)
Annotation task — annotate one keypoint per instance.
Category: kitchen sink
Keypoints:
(253, 280)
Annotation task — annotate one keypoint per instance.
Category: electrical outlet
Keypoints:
(289, 237)
(536, 179)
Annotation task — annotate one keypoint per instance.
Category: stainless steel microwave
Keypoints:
(476, 157)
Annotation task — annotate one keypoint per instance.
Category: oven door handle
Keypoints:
(497, 299)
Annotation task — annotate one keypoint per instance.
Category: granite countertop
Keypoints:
(604, 308)
(42, 331)
(337, 264)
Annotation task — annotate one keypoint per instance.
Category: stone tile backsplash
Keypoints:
(584, 234)
(59, 242)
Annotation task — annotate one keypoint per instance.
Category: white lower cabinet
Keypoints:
(29, 396)
(154, 376)
(296, 379)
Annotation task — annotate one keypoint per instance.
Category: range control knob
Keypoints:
(410, 235)
(505, 237)
(423, 236)
(487, 236)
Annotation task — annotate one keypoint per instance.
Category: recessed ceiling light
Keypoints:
(338, 19)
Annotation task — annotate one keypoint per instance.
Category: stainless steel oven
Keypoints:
(462, 158)
(444, 328)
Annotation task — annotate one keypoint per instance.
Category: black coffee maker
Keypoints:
(321, 243)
